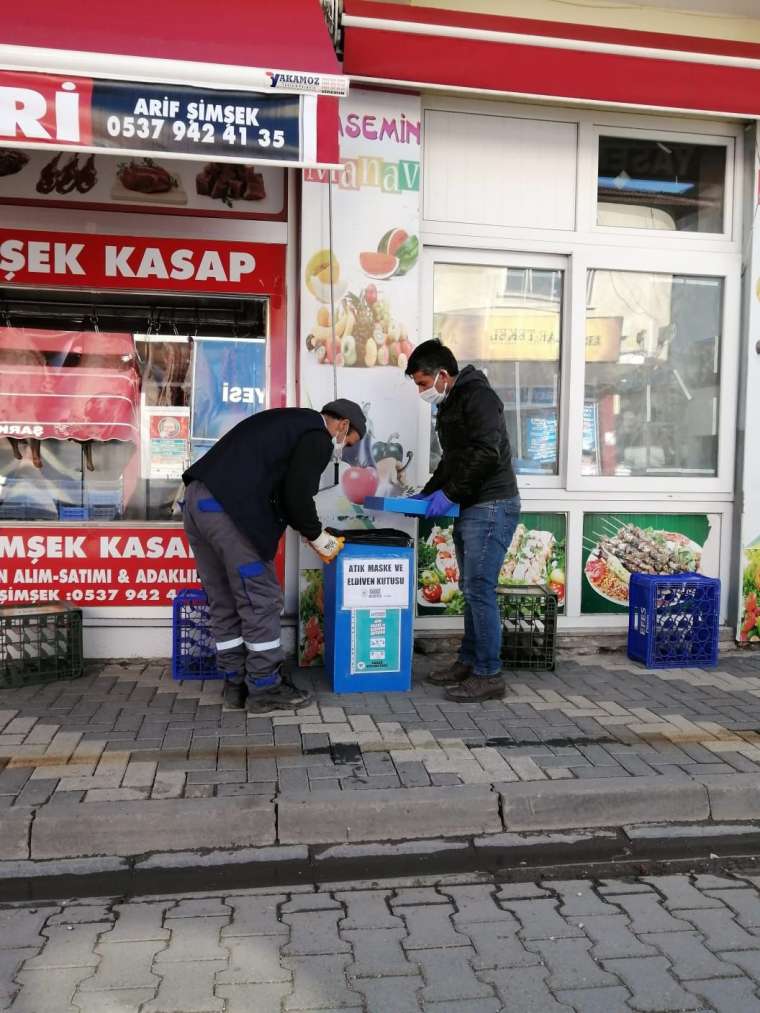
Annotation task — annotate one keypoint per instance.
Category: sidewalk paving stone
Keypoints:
(597, 741)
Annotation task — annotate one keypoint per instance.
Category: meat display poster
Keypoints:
(118, 183)
(94, 566)
(617, 545)
(371, 277)
(537, 555)
(229, 384)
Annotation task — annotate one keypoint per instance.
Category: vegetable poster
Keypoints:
(617, 545)
(749, 631)
(536, 556)
(359, 319)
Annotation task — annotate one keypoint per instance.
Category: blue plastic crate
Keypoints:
(674, 621)
(193, 652)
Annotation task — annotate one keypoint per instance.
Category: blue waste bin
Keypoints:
(369, 593)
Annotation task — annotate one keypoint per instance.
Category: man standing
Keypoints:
(241, 495)
(476, 472)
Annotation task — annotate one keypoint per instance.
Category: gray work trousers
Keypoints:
(244, 595)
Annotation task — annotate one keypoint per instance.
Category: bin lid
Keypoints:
(374, 536)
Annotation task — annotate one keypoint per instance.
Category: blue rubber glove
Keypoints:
(437, 504)
(418, 495)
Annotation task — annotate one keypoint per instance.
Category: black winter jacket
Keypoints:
(476, 466)
(265, 472)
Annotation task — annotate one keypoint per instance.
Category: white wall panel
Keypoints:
(485, 169)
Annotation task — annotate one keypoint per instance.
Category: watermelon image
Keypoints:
(378, 265)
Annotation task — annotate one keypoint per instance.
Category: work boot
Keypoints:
(451, 675)
(285, 696)
(235, 694)
(477, 688)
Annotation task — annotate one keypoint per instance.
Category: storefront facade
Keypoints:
(585, 216)
(147, 233)
(590, 248)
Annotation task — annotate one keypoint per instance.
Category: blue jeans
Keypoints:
(482, 536)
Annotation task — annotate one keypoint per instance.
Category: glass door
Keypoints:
(505, 314)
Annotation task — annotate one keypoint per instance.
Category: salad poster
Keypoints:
(536, 556)
(617, 545)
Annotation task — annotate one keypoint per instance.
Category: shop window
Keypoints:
(103, 407)
(653, 348)
(665, 184)
(507, 321)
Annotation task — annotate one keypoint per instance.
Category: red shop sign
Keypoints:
(98, 566)
(94, 566)
(79, 260)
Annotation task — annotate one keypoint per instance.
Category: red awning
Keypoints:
(43, 398)
(430, 47)
(238, 46)
(287, 35)
(22, 339)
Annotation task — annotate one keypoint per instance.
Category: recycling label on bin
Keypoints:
(375, 641)
(376, 582)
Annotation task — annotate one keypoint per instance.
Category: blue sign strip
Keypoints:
(206, 124)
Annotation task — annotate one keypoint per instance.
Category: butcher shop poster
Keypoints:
(143, 119)
(615, 545)
(166, 186)
(371, 277)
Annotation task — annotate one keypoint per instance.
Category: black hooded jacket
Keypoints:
(476, 466)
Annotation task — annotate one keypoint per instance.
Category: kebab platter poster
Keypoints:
(615, 545)
(370, 282)
(536, 556)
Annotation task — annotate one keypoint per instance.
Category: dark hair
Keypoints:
(431, 356)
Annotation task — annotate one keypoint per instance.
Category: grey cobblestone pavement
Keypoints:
(127, 732)
(454, 945)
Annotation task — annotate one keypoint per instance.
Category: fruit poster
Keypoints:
(360, 318)
(617, 545)
(536, 556)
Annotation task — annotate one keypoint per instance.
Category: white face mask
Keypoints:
(431, 395)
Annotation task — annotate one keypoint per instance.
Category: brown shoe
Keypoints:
(452, 675)
(477, 688)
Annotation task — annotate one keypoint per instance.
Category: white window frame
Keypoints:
(727, 268)
(489, 258)
(677, 136)
(591, 123)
